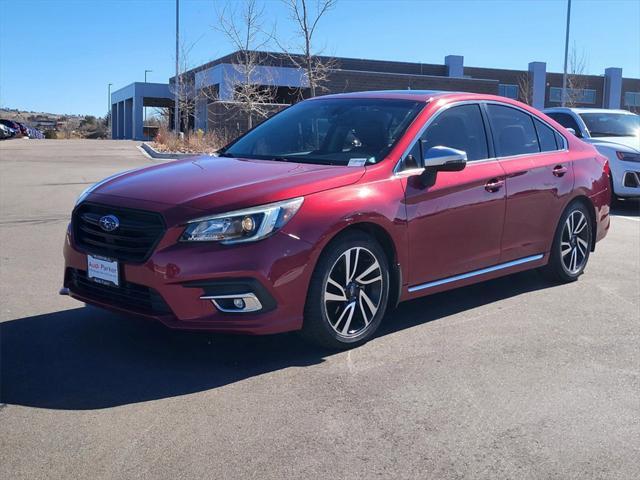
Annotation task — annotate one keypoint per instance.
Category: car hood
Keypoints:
(217, 184)
(611, 142)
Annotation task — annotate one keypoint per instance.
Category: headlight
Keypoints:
(241, 226)
(628, 156)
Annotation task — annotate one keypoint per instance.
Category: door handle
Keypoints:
(494, 185)
(559, 170)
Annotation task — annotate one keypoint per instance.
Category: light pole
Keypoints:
(144, 110)
(176, 110)
(566, 56)
(109, 120)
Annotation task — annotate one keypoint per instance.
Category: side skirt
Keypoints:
(475, 273)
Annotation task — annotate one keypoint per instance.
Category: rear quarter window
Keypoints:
(546, 137)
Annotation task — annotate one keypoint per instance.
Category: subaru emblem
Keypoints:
(109, 223)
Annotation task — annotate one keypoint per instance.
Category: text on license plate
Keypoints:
(102, 270)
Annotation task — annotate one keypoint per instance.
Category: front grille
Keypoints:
(130, 296)
(632, 179)
(133, 241)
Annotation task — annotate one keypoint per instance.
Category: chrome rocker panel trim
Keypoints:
(474, 273)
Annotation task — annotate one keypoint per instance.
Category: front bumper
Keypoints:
(626, 178)
(276, 269)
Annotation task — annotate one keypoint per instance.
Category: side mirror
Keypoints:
(573, 132)
(445, 159)
(440, 159)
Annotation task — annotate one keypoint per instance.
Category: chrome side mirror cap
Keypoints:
(445, 159)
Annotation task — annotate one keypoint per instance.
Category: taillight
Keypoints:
(606, 168)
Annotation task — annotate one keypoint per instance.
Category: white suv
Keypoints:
(616, 134)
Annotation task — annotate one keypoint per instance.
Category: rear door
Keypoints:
(539, 177)
(455, 225)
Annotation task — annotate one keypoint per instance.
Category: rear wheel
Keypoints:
(571, 245)
(348, 294)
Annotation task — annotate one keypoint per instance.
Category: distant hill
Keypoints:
(29, 116)
(59, 125)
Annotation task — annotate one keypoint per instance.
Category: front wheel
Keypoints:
(348, 293)
(571, 245)
(615, 201)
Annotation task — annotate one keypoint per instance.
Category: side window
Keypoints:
(461, 128)
(566, 120)
(413, 158)
(546, 137)
(513, 131)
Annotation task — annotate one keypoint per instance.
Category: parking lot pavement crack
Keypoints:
(33, 221)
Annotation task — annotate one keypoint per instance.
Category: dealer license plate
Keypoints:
(103, 270)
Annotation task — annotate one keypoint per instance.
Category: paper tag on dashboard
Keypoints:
(356, 162)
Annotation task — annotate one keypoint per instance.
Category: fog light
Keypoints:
(235, 303)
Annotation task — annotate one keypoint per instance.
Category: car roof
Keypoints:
(587, 110)
(416, 95)
(419, 95)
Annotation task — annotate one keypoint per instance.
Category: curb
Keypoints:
(153, 153)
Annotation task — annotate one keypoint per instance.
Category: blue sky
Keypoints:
(59, 55)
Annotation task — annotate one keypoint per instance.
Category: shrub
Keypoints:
(191, 142)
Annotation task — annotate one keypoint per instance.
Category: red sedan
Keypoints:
(336, 209)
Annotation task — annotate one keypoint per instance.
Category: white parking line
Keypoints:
(636, 219)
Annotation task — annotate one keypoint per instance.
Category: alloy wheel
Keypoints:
(574, 243)
(353, 291)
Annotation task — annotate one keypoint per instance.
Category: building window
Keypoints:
(509, 91)
(632, 99)
(584, 95)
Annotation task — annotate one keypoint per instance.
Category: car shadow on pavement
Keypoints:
(87, 358)
(626, 208)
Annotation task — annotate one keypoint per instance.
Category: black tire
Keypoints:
(615, 201)
(325, 319)
(559, 269)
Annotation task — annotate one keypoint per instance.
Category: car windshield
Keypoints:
(346, 131)
(612, 124)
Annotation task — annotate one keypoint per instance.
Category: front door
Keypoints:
(455, 225)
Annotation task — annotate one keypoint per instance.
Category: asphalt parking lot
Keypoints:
(512, 378)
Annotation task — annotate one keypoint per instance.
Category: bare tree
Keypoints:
(306, 15)
(243, 27)
(184, 87)
(576, 81)
(525, 88)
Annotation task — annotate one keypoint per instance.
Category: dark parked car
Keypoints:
(337, 208)
(15, 126)
(23, 129)
(6, 132)
(34, 133)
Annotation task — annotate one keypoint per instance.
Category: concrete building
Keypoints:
(213, 85)
(127, 107)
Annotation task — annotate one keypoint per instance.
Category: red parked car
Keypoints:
(336, 209)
